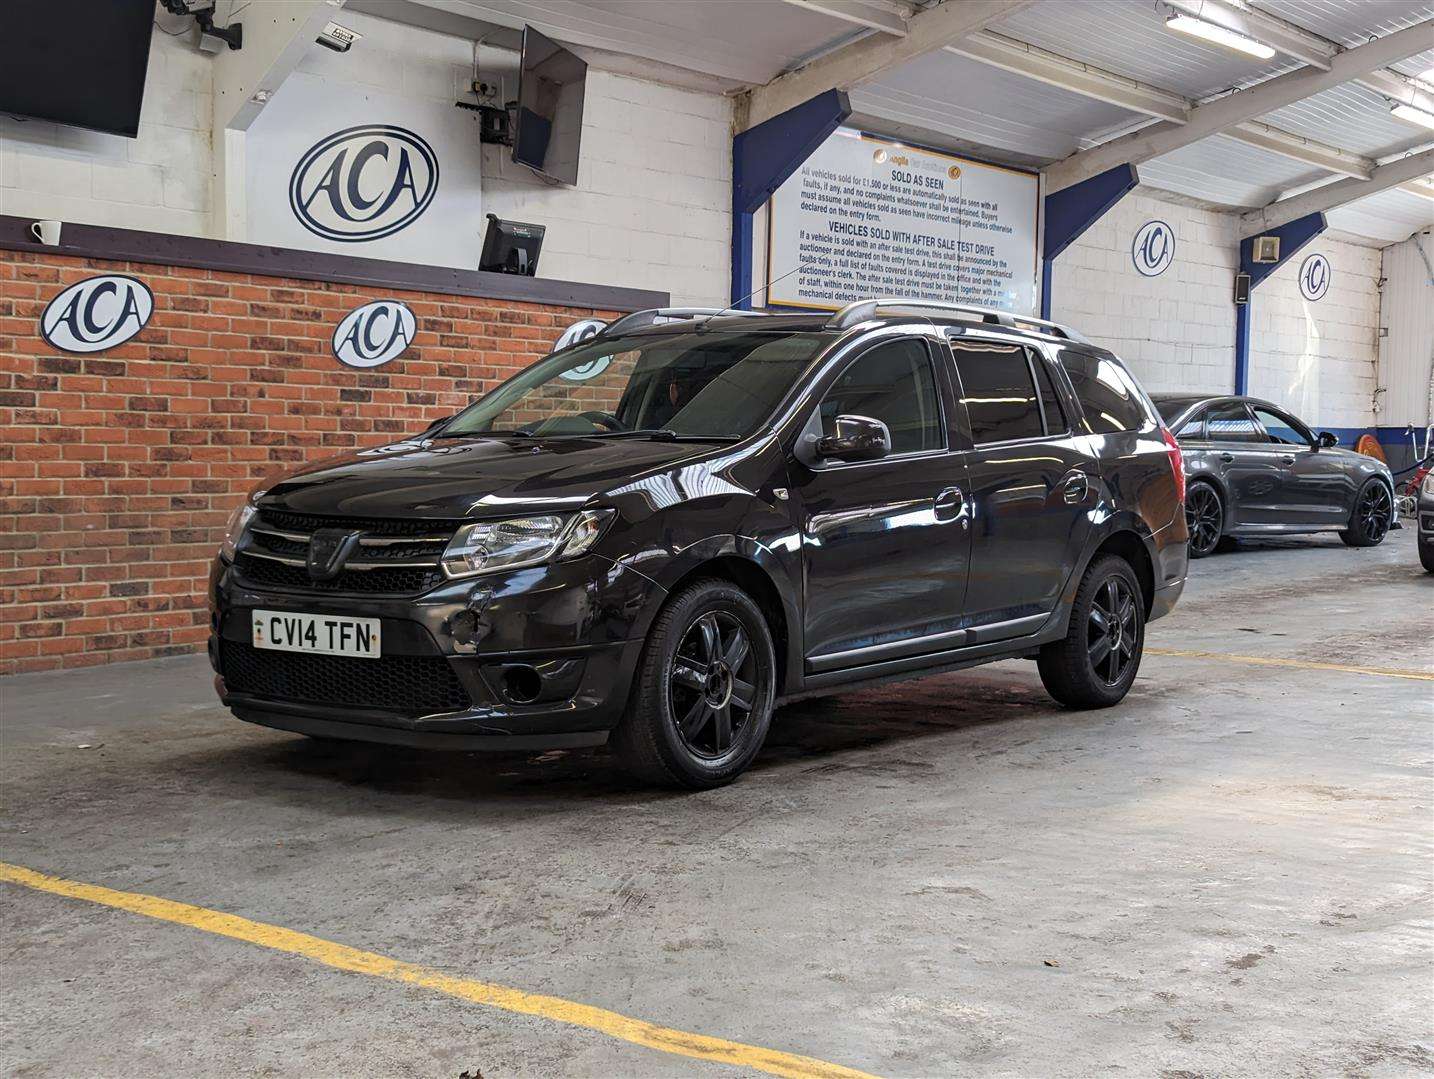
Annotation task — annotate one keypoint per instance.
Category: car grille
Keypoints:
(394, 557)
(407, 685)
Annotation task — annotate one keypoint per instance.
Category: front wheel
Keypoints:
(1095, 663)
(1426, 557)
(705, 686)
(1373, 512)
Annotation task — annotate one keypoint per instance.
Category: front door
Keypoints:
(885, 542)
(1315, 489)
(1033, 482)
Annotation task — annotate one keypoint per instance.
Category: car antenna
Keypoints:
(736, 303)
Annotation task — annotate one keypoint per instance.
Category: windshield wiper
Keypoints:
(484, 434)
(661, 434)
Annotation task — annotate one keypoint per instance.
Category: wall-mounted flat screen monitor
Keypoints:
(77, 62)
(549, 130)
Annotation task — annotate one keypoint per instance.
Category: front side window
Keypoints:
(997, 391)
(1107, 393)
(717, 385)
(1283, 429)
(1232, 422)
(896, 384)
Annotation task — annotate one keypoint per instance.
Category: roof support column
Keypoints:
(763, 158)
(1294, 235)
(1072, 210)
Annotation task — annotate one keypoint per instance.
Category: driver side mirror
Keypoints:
(1327, 440)
(855, 438)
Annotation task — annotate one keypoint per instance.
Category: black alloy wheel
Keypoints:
(1094, 664)
(1204, 518)
(1111, 630)
(712, 687)
(704, 690)
(1373, 513)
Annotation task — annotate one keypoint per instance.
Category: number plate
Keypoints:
(318, 634)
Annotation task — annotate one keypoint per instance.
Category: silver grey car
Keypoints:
(1254, 469)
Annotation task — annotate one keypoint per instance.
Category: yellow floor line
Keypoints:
(1268, 661)
(341, 957)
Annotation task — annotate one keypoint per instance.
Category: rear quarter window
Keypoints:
(1108, 394)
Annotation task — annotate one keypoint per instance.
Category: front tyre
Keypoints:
(704, 691)
(1095, 663)
(1373, 512)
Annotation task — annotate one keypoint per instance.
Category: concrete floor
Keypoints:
(1231, 873)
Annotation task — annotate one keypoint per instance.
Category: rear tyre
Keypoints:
(1373, 512)
(1204, 518)
(1095, 663)
(703, 694)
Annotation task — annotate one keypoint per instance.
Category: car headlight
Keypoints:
(1428, 485)
(522, 541)
(238, 524)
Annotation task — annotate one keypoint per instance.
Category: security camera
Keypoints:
(336, 37)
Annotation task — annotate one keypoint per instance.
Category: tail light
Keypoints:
(1177, 462)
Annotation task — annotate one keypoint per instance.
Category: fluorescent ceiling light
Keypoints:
(1188, 24)
(1413, 115)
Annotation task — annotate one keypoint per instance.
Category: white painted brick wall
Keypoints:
(651, 208)
(159, 181)
(1177, 331)
(1318, 358)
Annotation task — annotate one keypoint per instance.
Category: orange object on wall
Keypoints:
(1370, 447)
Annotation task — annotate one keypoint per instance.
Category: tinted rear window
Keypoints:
(997, 391)
(1106, 391)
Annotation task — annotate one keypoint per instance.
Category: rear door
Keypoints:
(1032, 482)
(1315, 489)
(1251, 466)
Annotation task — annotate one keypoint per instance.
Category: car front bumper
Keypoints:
(546, 660)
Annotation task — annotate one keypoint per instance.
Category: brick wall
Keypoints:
(119, 469)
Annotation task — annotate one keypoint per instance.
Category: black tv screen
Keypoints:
(78, 62)
(549, 130)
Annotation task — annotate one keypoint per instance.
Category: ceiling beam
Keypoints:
(874, 16)
(870, 57)
(1008, 54)
(1332, 196)
(1223, 113)
(1298, 148)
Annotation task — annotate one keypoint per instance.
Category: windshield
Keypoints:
(698, 385)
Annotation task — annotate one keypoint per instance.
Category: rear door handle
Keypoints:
(1227, 457)
(1076, 487)
(949, 504)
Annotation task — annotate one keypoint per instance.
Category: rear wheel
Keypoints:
(704, 691)
(1373, 512)
(1204, 518)
(1095, 663)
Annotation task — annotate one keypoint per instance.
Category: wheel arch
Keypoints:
(1128, 544)
(1221, 489)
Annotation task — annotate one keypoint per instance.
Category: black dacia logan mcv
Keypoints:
(654, 537)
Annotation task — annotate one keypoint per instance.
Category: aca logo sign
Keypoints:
(371, 335)
(97, 313)
(1154, 248)
(1315, 276)
(363, 183)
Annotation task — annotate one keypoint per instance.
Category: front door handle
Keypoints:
(949, 504)
(1227, 457)
(1288, 459)
(1076, 488)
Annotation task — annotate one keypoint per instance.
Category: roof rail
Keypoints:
(863, 310)
(651, 315)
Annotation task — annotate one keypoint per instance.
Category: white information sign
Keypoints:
(864, 217)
